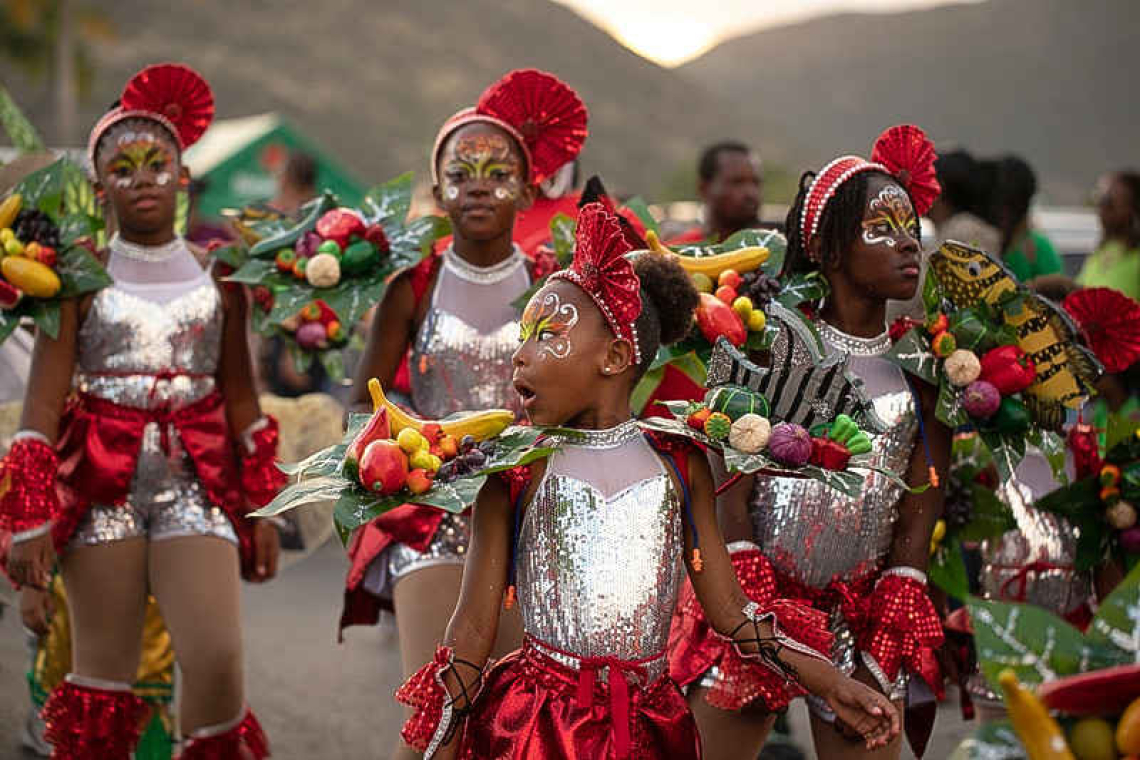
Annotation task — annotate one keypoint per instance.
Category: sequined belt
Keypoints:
(588, 668)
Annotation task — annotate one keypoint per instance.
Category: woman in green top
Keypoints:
(1025, 250)
(1116, 262)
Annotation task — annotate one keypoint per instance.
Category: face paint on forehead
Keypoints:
(889, 216)
(137, 150)
(549, 321)
(479, 157)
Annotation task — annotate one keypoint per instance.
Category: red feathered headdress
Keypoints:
(904, 152)
(601, 269)
(175, 96)
(540, 111)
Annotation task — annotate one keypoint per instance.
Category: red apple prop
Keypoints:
(383, 467)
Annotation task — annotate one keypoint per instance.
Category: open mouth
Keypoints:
(526, 393)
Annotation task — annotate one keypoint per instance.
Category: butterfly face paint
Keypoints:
(549, 322)
(890, 216)
(135, 152)
(479, 157)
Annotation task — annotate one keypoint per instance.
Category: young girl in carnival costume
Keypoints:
(592, 538)
(860, 561)
(453, 319)
(138, 477)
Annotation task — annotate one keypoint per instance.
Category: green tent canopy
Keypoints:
(238, 159)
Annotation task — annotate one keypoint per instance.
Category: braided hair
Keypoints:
(839, 223)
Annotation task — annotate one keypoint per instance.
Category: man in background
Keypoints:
(729, 185)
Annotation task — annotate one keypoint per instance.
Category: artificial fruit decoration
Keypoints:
(1008, 369)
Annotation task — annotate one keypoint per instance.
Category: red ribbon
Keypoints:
(588, 668)
(1021, 577)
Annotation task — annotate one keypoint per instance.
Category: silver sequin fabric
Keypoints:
(123, 334)
(1039, 537)
(815, 534)
(166, 500)
(599, 570)
(461, 357)
(447, 547)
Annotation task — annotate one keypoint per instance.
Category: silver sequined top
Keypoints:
(599, 550)
(815, 534)
(461, 357)
(124, 334)
(1039, 537)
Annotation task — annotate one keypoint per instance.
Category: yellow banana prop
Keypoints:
(742, 259)
(8, 210)
(1039, 733)
(478, 425)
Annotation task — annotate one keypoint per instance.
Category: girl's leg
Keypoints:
(728, 735)
(197, 583)
(93, 713)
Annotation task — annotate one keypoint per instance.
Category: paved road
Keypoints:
(316, 699)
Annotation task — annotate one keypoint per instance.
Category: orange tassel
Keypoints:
(509, 602)
(933, 477)
(698, 563)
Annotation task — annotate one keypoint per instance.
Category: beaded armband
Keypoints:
(28, 499)
(902, 623)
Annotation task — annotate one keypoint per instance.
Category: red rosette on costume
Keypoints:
(175, 92)
(909, 155)
(424, 693)
(543, 109)
(1110, 321)
(694, 647)
(85, 721)
(601, 269)
(902, 629)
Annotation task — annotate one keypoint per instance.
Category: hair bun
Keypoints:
(668, 286)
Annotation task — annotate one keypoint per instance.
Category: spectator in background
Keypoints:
(296, 184)
(1025, 250)
(199, 230)
(730, 186)
(959, 213)
(1116, 262)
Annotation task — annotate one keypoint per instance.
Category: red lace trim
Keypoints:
(27, 485)
(426, 696)
(84, 723)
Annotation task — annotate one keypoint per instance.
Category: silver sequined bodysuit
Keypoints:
(599, 551)
(813, 533)
(153, 343)
(460, 361)
(461, 357)
(1040, 537)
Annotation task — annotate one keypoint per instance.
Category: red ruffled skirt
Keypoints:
(695, 648)
(529, 709)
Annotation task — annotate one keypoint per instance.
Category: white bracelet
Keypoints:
(254, 427)
(31, 435)
(30, 533)
(906, 572)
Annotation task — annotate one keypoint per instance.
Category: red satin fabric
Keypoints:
(675, 385)
(529, 709)
(99, 448)
(694, 647)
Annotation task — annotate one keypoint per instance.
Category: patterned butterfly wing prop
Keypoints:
(803, 385)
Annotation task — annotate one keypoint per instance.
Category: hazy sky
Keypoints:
(671, 32)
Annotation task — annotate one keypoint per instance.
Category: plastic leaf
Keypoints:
(390, 202)
(20, 131)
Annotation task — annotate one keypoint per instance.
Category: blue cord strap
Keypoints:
(687, 503)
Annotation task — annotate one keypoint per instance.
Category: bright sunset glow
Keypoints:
(672, 32)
